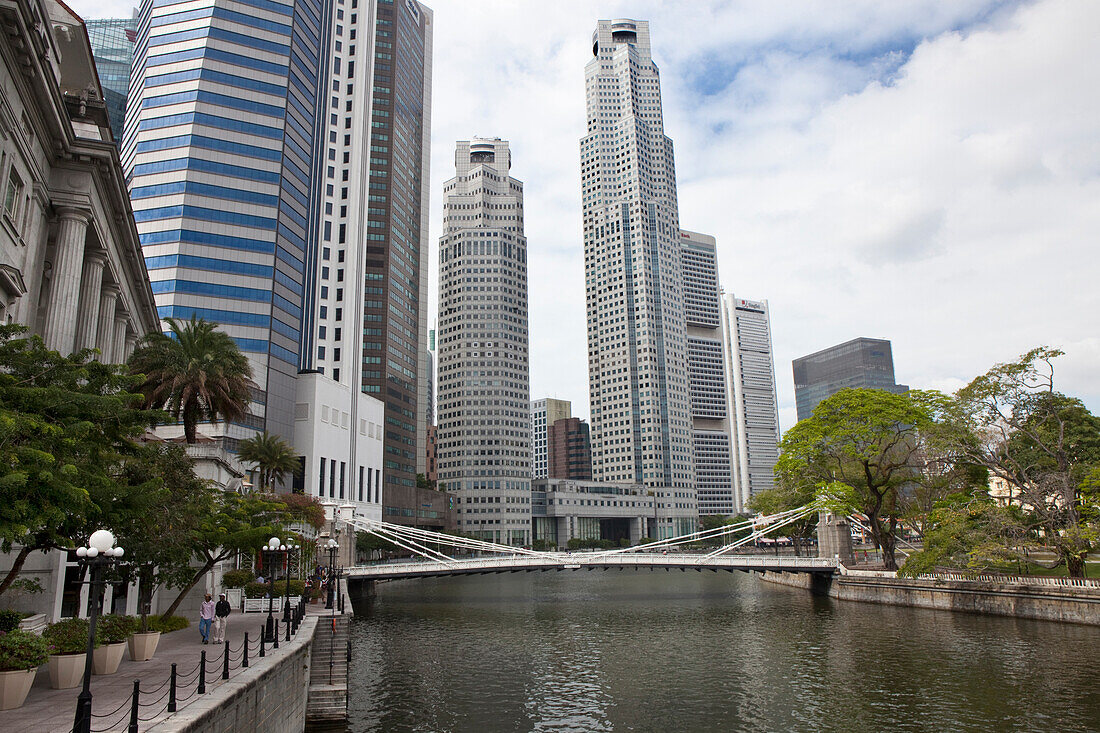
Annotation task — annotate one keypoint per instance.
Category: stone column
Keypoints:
(130, 344)
(105, 330)
(68, 262)
(118, 345)
(91, 287)
(27, 312)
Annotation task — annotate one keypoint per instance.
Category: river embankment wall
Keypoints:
(269, 696)
(1018, 599)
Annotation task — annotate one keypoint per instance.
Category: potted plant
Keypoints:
(68, 642)
(115, 630)
(21, 654)
(142, 643)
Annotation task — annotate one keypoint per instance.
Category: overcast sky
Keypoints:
(926, 172)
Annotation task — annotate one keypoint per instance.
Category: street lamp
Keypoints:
(97, 556)
(269, 550)
(286, 550)
(332, 546)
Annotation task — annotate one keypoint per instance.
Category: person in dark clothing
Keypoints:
(221, 618)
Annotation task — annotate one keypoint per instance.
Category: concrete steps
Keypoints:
(328, 675)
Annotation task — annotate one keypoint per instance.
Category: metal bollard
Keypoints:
(225, 662)
(262, 652)
(134, 708)
(244, 659)
(172, 690)
(202, 673)
(288, 629)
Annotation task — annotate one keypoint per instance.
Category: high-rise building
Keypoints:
(861, 362)
(750, 376)
(711, 418)
(544, 413)
(570, 449)
(222, 153)
(637, 337)
(484, 448)
(113, 42)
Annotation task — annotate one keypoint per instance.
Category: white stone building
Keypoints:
(544, 413)
(484, 448)
(637, 334)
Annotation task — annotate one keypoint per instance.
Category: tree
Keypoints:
(1041, 444)
(196, 372)
(233, 524)
(857, 449)
(66, 423)
(271, 456)
(789, 493)
(969, 531)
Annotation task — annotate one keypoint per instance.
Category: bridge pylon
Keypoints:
(834, 538)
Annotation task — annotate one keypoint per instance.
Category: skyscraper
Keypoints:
(710, 408)
(221, 151)
(637, 337)
(113, 42)
(569, 449)
(544, 413)
(750, 375)
(484, 448)
(861, 362)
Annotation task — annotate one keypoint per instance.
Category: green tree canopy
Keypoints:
(788, 494)
(196, 373)
(272, 458)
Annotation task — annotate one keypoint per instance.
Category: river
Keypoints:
(674, 651)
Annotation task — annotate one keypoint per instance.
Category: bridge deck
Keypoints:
(530, 563)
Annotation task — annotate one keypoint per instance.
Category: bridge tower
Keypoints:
(834, 537)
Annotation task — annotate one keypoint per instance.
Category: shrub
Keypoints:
(22, 650)
(116, 629)
(9, 620)
(167, 625)
(278, 589)
(70, 636)
(237, 578)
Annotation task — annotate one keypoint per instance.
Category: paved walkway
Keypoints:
(53, 711)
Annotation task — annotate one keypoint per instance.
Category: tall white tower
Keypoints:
(637, 334)
(750, 375)
(484, 448)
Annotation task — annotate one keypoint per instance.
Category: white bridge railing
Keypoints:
(1014, 579)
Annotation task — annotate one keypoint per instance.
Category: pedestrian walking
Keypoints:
(221, 618)
(206, 618)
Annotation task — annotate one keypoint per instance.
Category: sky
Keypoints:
(925, 172)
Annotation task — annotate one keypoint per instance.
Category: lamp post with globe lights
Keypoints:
(286, 550)
(97, 556)
(332, 546)
(269, 551)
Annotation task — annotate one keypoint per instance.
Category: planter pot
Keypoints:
(105, 659)
(66, 670)
(143, 646)
(14, 687)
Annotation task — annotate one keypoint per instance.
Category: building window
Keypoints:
(12, 194)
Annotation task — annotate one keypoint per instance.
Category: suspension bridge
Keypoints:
(436, 552)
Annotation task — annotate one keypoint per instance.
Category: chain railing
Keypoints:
(144, 705)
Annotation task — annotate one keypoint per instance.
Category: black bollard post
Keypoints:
(225, 662)
(275, 639)
(262, 637)
(288, 629)
(134, 708)
(202, 673)
(244, 659)
(172, 690)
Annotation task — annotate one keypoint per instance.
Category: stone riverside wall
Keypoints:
(1047, 603)
(269, 696)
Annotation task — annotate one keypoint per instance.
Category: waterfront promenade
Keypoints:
(52, 711)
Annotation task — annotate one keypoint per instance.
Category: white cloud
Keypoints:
(926, 172)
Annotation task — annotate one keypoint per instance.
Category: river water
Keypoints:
(674, 651)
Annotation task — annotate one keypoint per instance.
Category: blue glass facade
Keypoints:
(220, 150)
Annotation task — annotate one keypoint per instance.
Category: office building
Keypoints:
(861, 362)
(570, 449)
(711, 418)
(113, 48)
(750, 376)
(484, 449)
(544, 413)
(568, 509)
(637, 337)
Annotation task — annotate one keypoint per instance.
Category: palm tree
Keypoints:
(271, 456)
(195, 372)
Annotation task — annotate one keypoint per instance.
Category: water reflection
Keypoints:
(642, 651)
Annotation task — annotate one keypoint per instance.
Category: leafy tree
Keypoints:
(197, 373)
(271, 456)
(971, 532)
(857, 449)
(66, 423)
(788, 493)
(233, 524)
(1042, 445)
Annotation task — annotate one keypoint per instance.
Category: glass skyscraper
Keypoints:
(113, 42)
(861, 362)
(221, 153)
